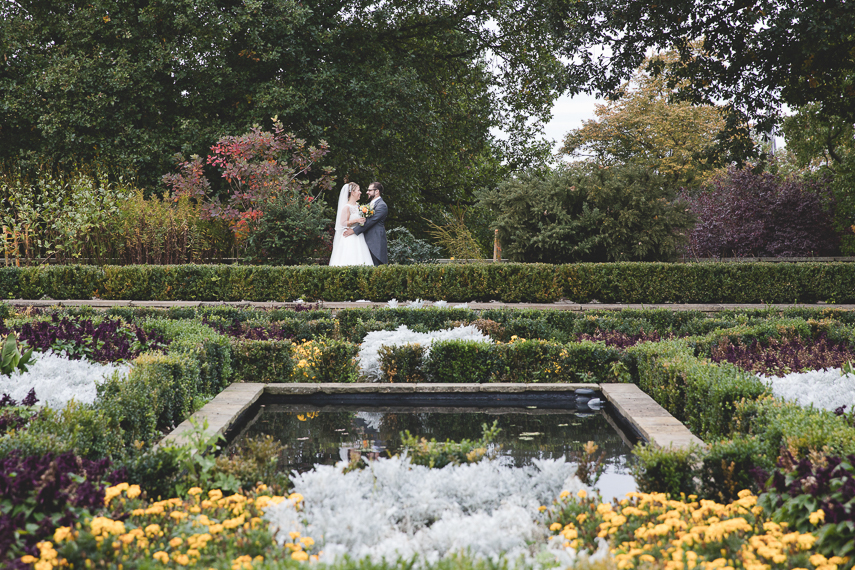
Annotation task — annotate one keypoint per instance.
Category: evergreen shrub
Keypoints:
(262, 360)
(623, 282)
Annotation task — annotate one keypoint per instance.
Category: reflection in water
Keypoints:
(330, 434)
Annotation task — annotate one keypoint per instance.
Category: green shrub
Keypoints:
(86, 430)
(661, 470)
(159, 392)
(262, 360)
(463, 361)
(402, 363)
(624, 282)
(786, 425)
(326, 360)
(405, 249)
(726, 468)
(669, 372)
(588, 213)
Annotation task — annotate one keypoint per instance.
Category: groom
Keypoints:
(375, 226)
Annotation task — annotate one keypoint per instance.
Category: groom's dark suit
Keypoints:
(375, 232)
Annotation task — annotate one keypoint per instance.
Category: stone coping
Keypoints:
(648, 418)
(560, 305)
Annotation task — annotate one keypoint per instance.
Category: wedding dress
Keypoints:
(350, 250)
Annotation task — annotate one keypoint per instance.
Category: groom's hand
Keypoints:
(348, 232)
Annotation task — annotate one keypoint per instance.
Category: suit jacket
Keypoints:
(375, 231)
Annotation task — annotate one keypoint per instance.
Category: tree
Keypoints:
(755, 56)
(825, 148)
(404, 92)
(586, 212)
(643, 126)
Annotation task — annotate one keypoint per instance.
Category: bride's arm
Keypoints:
(343, 217)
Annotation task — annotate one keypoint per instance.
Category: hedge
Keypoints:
(509, 282)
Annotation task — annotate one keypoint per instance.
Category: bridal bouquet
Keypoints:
(366, 210)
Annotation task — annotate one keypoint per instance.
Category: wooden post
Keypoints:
(497, 251)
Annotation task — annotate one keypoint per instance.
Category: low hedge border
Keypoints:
(457, 361)
(509, 282)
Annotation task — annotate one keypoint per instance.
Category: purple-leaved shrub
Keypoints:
(778, 357)
(40, 493)
(745, 214)
(111, 340)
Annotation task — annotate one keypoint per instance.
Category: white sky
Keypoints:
(568, 113)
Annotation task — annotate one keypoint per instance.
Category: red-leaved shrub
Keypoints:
(746, 214)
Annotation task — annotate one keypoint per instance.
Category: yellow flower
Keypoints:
(61, 533)
(817, 516)
(300, 555)
(307, 541)
(134, 491)
(161, 556)
(194, 491)
(555, 526)
(176, 542)
(582, 493)
(28, 559)
(182, 559)
(564, 494)
(215, 495)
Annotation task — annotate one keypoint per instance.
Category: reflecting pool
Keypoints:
(326, 434)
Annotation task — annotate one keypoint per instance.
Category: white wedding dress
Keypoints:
(350, 250)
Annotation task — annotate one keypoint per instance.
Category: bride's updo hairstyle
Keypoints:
(353, 188)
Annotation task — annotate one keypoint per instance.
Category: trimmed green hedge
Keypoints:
(699, 393)
(509, 282)
(459, 361)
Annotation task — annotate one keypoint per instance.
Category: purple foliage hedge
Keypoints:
(779, 357)
(109, 341)
(747, 214)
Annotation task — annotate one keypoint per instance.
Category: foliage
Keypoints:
(262, 360)
(701, 394)
(13, 416)
(166, 230)
(405, 249)
(518, 360)
(588, 213)
(670, 471)
(644, 126)
(748, 214)
(436, 454)
(325, 360)
(824, 146)
(109, 340)
(12, 358)
(454, 237)
(422, 86)
(404, 362)
(79, 215)
(752, 61)
(815, 495)
(39, 493)
(291, 231)
(779, 357)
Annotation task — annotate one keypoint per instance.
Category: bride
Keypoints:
(350, 250)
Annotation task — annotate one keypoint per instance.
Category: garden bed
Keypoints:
(671, 356)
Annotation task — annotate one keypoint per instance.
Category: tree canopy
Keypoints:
(403, 92)
(643, 126)
(756, 54)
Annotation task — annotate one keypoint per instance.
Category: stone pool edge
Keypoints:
(649, 419)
